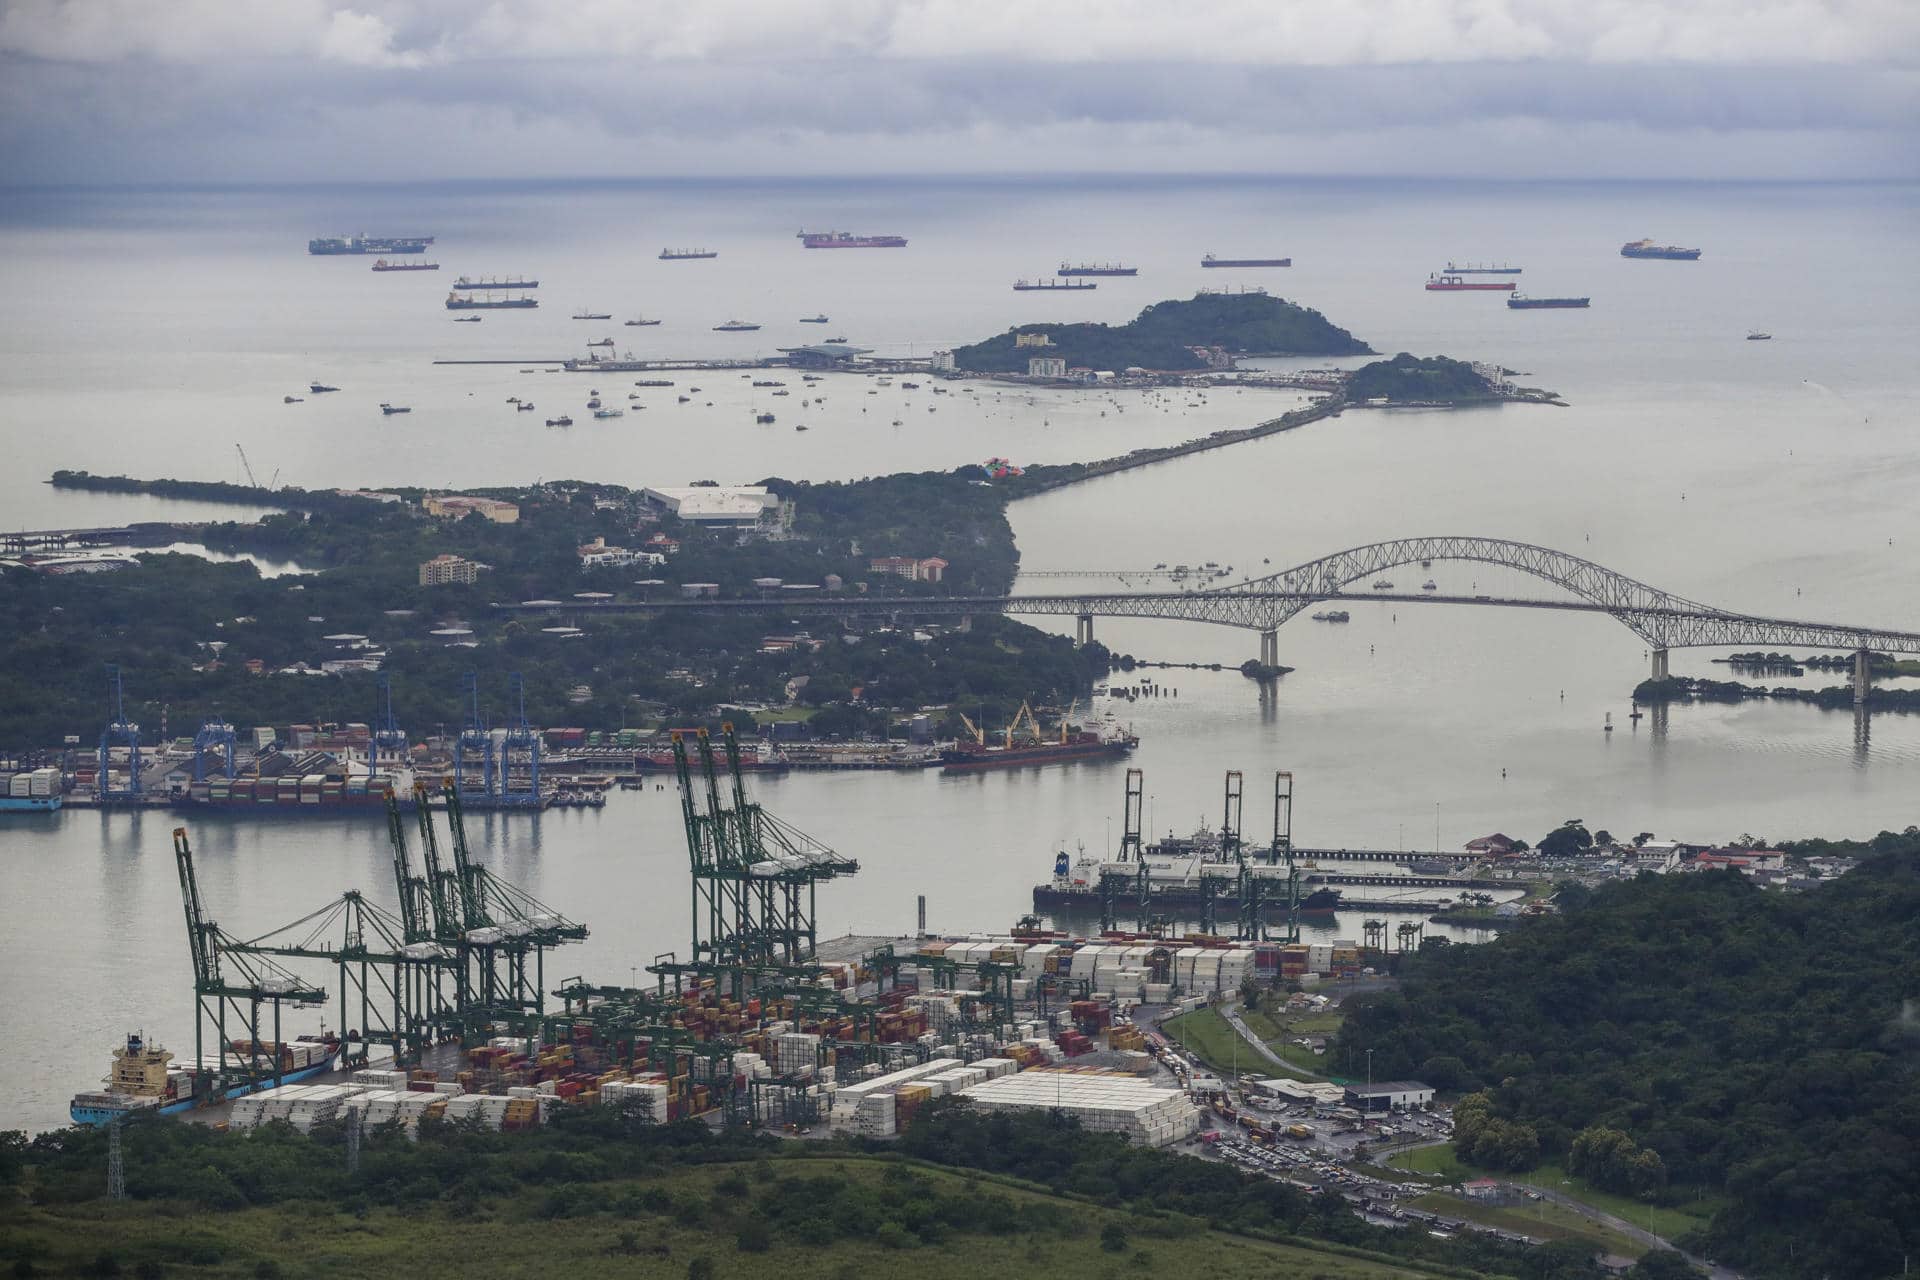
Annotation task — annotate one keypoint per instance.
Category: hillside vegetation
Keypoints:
(1418, 379)
(1160, 336)
(1688, 1033)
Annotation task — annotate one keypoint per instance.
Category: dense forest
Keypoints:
(1418, 379)
(592, 1168)
(1695, 1033)
(1161, 336)
(161, 622)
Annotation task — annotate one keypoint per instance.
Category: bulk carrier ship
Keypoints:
(1211, 261)
(381, 264)
(467, 302)
(142, 1078)
(1105, 742)
(1096, 269)
(368, 244)
(1458, 284)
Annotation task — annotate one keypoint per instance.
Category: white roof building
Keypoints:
(717, 504)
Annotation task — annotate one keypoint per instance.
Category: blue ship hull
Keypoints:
(98, 1115)
(29, 804)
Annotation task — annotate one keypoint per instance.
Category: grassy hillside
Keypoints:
(1160, 336)
(661, 1226)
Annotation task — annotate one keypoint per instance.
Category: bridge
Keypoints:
(1662, 620)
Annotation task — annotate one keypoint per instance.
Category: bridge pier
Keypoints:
(1082, 630)
(1659, 664)
(1270, 647)
(1862, 676)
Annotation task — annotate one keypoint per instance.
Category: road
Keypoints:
(1636, 1234)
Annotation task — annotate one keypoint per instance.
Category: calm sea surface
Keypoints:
(150, 333)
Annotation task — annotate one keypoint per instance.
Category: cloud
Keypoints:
(94, 89)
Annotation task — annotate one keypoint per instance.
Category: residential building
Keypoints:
(458, 506)
(941, 362)
(931, 569)
(597, 554)
(446, 570)
(1032, 340)
(1046, 367)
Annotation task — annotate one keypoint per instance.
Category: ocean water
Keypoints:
(158, 329)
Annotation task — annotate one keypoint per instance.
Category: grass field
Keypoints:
(1666, 1222)
(1208, 1037)
(515, 1237)
(1280, 1028)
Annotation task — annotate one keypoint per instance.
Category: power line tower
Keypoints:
(119, 731)
(116, 1164)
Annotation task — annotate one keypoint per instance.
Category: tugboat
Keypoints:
(391, 409)
(562, 421)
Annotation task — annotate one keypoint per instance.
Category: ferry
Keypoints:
(141, 1078)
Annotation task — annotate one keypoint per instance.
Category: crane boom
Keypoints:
(412, 917)
(444, 895)
(251, 482)
(201, 932)
(473, 899)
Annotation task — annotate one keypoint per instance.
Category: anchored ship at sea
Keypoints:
(1521, 302)
(511, 282)
(381, 264)
(1096, 269)
(1052, 286)
(1459, 284)
(847, 240)
(467, 302)
(1489, 270)
(1211, 261)
(1648, 249)
(142, 1077)
(369, 244)
(677, 255)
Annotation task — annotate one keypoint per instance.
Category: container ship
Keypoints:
(1521, 302)
(1502, 270)
(467, 302)
(678, 255)
(1458, 284)
(1095, 269)
(1176, 870)
(381, 264)
(1648, 249)
(1211, 261)
(466, 282)
(311, 795)
(1107, 742)
(846, 240)
(369, 244)
(1052, 286)
(35, 791)
(142, 1077)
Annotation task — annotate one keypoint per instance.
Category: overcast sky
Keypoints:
(271, 90)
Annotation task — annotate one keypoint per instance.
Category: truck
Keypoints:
(1300, 1132)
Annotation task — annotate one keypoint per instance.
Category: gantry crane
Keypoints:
(119, 731)
(254, 981)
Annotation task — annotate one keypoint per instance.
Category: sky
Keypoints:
(238, 91)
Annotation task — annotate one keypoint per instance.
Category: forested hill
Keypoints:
(1160, 336)
(1763, 1045)
(1418, 379)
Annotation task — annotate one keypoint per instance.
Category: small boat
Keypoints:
(525, 406)
(639, 320)
(1758, 336)
(1429, 585)
(562, 421)
(810, 377)
(684, 399)
(604, 342)
(609, 413)
(1608, 726)
(836, 340)
(317, 387)
(763, 417)
(813, 320)
(584, 314)
(1382, 584)
(468, 319)
(1333, 615)
(800, 427)
(292, 400)
(765, 382)
(1426, 564)
(783, 393)
(594, 403)
(513, 399)
(391, 409)
(735, 326)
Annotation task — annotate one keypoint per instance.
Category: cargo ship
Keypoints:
(847, 240)
(1521, 302)
(381, 264)
(142, 1078)
(1106, 742)
(1458, 284)
(1211, 261)
(735, 326)
(369, 244)
(1502, 270)
(1648, 249)
(1096, 269)
(1051, 286)
(467, 302)
(467, 282)
(681, 255)
(32, 791)
(1177, 869)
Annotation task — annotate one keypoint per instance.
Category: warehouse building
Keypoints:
(1391, 1095)
(1150, 1114)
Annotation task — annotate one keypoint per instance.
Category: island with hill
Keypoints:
(1175, 335)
